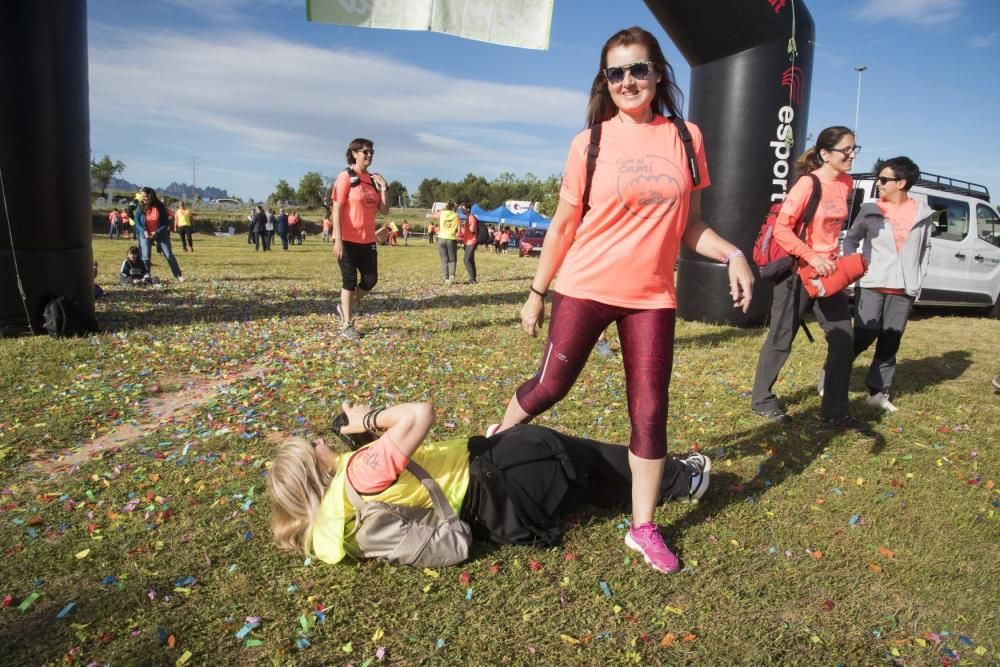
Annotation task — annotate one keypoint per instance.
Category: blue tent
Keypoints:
(530, 218)
(487, 216)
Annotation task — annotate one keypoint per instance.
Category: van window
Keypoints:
(951, 218)
(988, 224)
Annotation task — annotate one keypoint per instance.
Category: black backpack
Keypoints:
(356, 179)
(63, 317)
(483, 236)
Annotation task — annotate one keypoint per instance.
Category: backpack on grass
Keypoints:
(409, 535)
(63, 317)
(772, 261)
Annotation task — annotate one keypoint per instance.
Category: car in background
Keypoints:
(531, 242)
(964, 266)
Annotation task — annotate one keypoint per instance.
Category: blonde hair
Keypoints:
(296, 484)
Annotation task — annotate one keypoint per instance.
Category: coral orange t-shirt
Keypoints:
(358, 206)
(152, 219)
(376, 467)
(823, 235)
(901, 218)
(626, 245)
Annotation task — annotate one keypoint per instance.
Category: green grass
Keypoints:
(247, 351)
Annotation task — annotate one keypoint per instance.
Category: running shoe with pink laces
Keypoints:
(646, 539)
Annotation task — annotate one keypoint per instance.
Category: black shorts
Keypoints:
(359, 258)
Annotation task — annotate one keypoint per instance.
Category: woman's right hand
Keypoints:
(823, 266)
(532, 314)
(338, 248)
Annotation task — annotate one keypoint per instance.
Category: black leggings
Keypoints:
(359, 258)
(521, 480)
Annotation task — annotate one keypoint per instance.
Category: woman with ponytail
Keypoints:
(830, 161)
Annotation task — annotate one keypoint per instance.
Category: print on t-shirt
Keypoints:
(649, 186)
(369, 196)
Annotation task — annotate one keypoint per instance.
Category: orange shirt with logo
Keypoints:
(626, 245)
(358, 206)
(823, 235)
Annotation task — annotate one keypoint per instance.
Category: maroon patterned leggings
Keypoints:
(647, 339)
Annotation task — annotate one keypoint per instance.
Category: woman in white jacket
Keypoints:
(895, 234)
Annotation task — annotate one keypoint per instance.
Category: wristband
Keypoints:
(368, 421)
(728, 258)
(541, 294)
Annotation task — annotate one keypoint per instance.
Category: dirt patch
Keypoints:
(157, 410)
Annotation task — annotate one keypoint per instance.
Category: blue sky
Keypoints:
(256, 93)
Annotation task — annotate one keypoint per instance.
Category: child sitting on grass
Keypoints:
(133, 271)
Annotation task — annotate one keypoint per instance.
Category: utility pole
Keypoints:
(857, 109)
(194, 175)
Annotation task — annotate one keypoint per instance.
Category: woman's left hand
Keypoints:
(355, 417)
(740, 282)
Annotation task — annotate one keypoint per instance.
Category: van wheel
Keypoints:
(993, 311)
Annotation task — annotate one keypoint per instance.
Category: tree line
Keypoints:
(491, 193)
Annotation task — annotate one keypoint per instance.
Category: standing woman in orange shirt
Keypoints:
(830, 160)
(615, 252)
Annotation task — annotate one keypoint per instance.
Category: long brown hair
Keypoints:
(668, 99)
(827, 139)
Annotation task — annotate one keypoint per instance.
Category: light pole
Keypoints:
(857, 108)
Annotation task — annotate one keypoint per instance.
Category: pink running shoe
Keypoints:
(646, 539)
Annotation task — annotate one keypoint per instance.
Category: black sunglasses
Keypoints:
(366, 151)
(639, 70)
(885, 179)
(847, 152)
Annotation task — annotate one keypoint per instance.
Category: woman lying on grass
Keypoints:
(510, 488)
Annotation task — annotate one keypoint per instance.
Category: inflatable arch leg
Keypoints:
(748, 97)
(45, 224)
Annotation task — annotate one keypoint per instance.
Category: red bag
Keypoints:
(773, 263)
(849, 268)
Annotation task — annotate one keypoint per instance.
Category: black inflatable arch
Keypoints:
(748, 96)
(44, 160)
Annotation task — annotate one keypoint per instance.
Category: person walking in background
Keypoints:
(125, 224)
(251, 236)
(283, 229)
(327, 225)
(259, 225)
(430, 232)
(293, 226)
(114, 224)
(269, 227)
(614, 243)
(448, 241)
(393, 232)
(894, 234)
(153, 226)
(830, 161)
(470, 235)
(406, 232)
(183, 226)
(357, 196)
(504, 239)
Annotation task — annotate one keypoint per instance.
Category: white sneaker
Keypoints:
(880, 401)
(699, 468)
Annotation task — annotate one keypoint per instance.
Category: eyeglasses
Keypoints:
(639, 70)
(885, 179)
(847, 152)
(366, 151)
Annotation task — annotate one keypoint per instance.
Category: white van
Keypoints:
(964, 268)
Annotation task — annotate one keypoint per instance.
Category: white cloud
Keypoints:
(918, 12)
(982, 41)
(243, 95)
